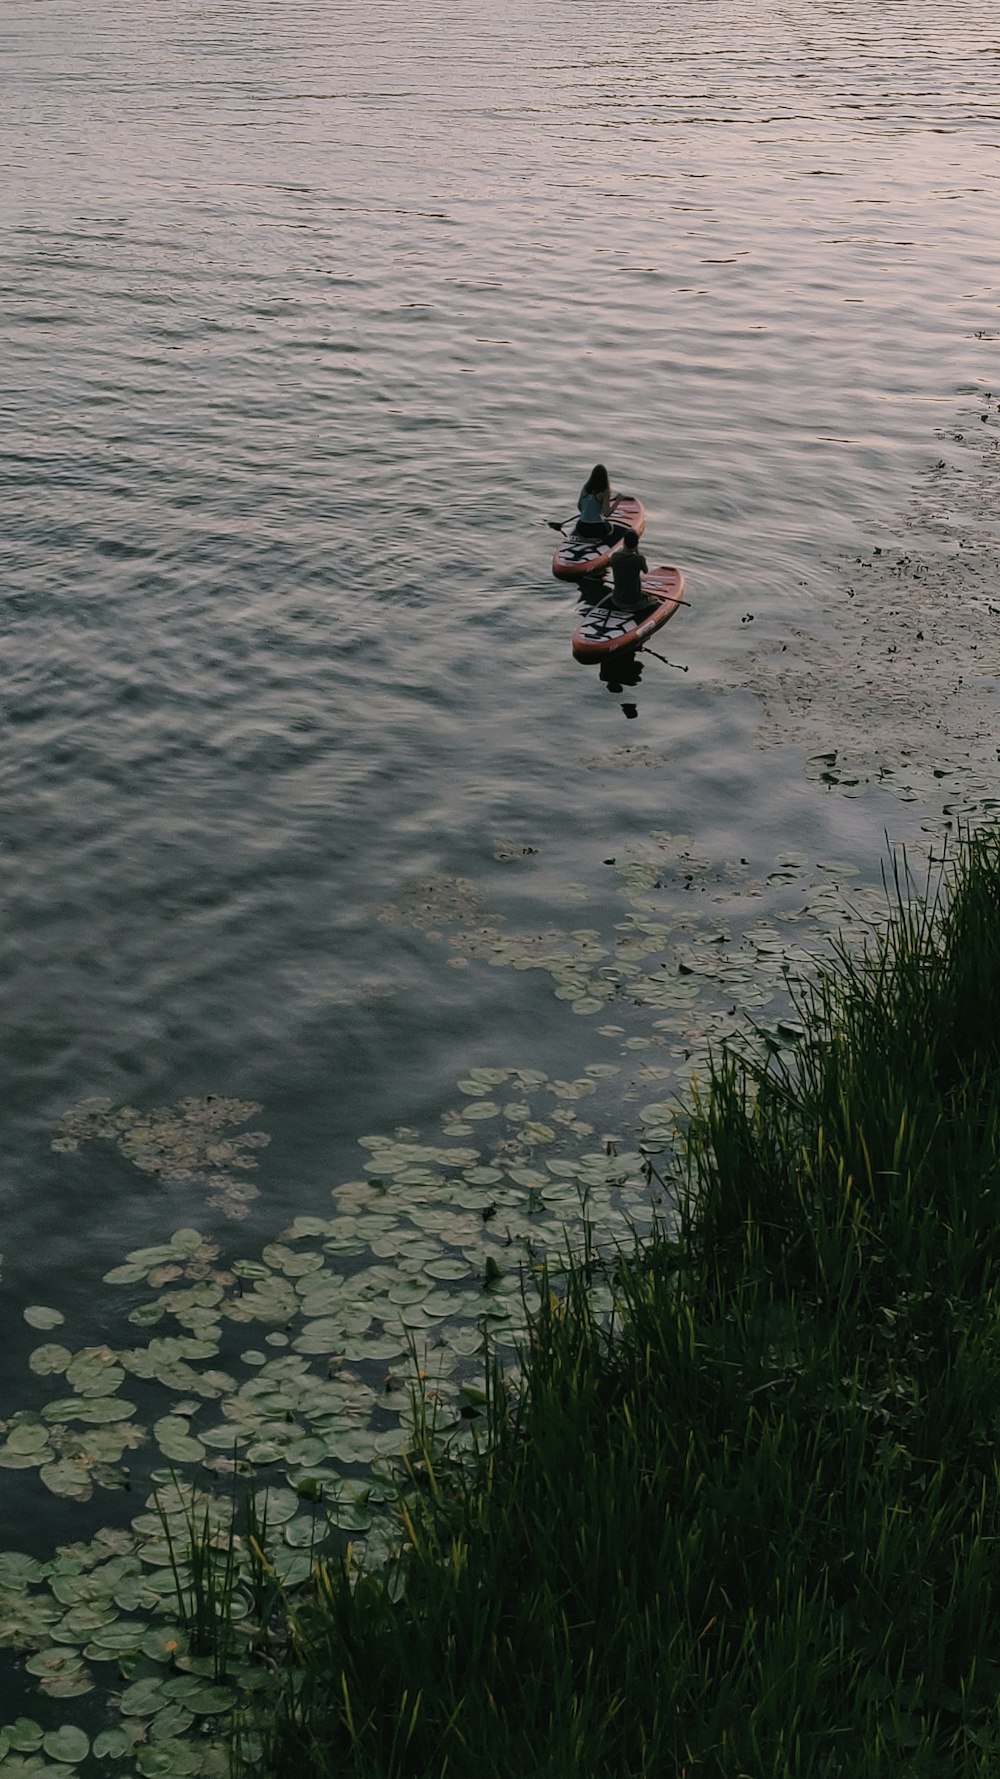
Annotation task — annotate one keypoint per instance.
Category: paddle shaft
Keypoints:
(646, 650)
(561, 524)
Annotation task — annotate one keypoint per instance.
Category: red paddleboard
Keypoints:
(578, 556)
(604, 629)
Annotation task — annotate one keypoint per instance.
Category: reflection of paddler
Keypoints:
(619, 671)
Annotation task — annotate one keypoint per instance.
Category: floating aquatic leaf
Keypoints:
(20, 1571)
(129, 1273)
(280, 1505)
(27, 1436)
(173, 1720)
(147, 1315)
(480, 1109)
(144, 1697)
(324, 1335)
(81, 1621)
(447, 1268)
(24, 1734)
(165, 1643)
(48, 1360)
(201, 1697)
(67, 1478)
(173, 1436)
(25, 1620)
(305, 1531)
(292, 1567)
(389, 1344)
(94, 1371)
(96, 1411)
(165, 1760)
(67, 1744)
(39, 1315)
(119, 1637)
(111, 1744)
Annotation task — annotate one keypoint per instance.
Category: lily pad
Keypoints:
(144, 1697)
(68, 1479)
(173, 1436)
(174, 1720)
(111, 1744)
(39, 1315)
(201, 1697)
(30, 1436)
(67, 1744)
(19, 1571)
(165, 1643)
(167, 1760)
(48, 1360)
(24, 1734)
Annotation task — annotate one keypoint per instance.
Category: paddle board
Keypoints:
(604, 629)
(578, 556)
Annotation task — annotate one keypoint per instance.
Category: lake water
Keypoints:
(313, 316)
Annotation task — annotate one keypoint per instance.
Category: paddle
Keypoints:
(561, 524)
(648, 651)
(609, 600)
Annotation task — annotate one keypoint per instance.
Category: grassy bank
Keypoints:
(753, 1528)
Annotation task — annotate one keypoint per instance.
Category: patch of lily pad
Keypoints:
(189, 1141)
(293, 1366)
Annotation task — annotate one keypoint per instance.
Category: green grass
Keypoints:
(752, 1529)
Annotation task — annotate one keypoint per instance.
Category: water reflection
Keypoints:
(621, 673)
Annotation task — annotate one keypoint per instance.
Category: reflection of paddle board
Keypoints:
(590, 555)
(603, 629)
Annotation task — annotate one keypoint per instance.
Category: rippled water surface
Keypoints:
(313, 314)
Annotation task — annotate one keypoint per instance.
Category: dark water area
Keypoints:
(313, 317)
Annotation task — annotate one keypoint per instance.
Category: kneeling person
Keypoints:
(626, 567)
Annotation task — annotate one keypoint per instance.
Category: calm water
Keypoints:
(313, 314)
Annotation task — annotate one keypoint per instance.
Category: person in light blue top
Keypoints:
(596, 502)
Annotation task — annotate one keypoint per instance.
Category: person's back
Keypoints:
(627, 566)
(591, 509)
(595, 503)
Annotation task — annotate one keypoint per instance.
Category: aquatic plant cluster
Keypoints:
(294, 1366)
(434, 1250)
(749, 1525)
(429, 1260)
(701, 971)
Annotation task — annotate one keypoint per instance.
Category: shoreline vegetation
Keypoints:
(751, 1526)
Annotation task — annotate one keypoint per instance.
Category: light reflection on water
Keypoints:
(310, 327)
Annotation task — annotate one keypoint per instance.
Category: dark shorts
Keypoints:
(605, 531)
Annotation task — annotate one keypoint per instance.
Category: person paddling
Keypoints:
(626, 568)
(595, 504)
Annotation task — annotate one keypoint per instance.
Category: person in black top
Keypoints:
(626, 567)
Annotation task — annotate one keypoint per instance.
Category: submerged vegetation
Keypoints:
(749, 1525)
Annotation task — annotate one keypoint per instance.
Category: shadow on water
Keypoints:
(621, 671)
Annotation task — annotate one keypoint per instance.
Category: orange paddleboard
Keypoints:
(604, 629)
(578, 556)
